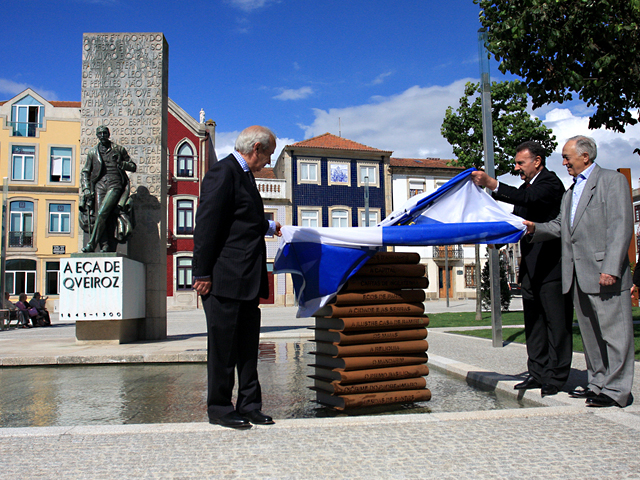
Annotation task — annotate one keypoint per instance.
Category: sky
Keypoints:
(378, 72)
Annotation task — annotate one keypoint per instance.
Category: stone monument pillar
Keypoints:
(125, 88)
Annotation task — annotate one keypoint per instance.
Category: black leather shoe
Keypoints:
(581, 392)
(529, 383)
(258, 418)
(548, 389)
(601, 400)
(231, 420)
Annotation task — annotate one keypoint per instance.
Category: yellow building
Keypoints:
(39, 161)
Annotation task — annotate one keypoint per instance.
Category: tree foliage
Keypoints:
(512, 125)
(505, 293)
(563, 47)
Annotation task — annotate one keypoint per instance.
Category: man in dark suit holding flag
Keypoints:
(230, 273)
(547, 312)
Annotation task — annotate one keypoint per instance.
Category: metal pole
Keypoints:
(366, 201)
(446, 272)
(487, 134)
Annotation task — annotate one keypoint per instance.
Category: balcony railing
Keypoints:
(21, 239)
(454, 252)
(271, 188)
(24, 129)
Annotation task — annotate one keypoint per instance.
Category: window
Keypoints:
(416, 187)
(185, 161)
(309, 218)
(20, 276)
(368, 172)
(60, 166)
(52, 279)
(183, 273)
(185, 217)
(59, 218)
(470, 276)
(309, 172)
(21, 224)
(339, 218)
(22, 162)
(26, 117)
(373, 218)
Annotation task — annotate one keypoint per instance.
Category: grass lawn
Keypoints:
(517, 334)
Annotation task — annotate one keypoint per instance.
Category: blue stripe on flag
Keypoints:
(450, 234)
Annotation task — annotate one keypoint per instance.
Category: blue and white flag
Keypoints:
(321, 260)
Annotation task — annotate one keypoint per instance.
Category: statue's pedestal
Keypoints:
(105, 294)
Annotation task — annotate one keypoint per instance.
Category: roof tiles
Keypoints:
(330, 141)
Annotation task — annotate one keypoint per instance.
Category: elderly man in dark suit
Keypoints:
(547, 313)
(595, 226)
(230, 273)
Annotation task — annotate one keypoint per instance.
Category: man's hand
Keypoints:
(278, 233)
(481, 179)
(531, 227)
(202, 286)
(607, 280)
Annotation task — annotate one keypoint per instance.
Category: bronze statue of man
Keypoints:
(105, 205)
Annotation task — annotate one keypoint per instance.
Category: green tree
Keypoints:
(565, 47)
(512, 125)
(505, 293)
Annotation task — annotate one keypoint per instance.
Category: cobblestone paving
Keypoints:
(538, 443)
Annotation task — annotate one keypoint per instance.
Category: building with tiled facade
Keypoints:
(329, 177)
(39, 150)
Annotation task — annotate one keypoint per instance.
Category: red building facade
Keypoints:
(191, 150)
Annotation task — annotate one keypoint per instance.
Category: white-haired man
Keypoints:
(230, 273)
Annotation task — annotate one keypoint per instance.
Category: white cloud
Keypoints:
(380, 78)
(615, 150)
(294, 94)
(249, 5)
(407, 123)
(13, 88)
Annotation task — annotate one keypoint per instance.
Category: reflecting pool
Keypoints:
(176, 392)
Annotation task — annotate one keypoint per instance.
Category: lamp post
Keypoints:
(487, 134)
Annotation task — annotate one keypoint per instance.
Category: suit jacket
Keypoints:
(538, 203)
(598, 241)
(94, 165)
(229, 233)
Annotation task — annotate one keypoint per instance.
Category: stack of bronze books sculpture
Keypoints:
(371, 341)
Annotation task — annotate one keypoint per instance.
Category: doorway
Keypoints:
(442, 289)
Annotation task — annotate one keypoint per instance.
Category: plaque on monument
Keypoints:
(104, 294)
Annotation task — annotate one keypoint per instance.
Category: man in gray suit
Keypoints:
(595, 226)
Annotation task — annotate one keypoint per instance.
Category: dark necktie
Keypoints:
(251, 178)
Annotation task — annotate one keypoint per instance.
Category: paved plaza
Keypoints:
(560, 438)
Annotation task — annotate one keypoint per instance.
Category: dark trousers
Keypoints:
(548, 318)
(233, 329)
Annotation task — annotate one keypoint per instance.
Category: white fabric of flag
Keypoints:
(321, 260)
